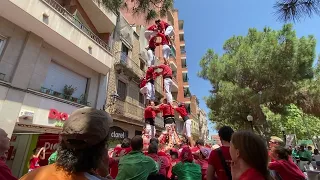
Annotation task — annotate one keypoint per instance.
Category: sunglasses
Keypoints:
(272, 142)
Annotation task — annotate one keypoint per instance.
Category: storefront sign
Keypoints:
(55, 114)
(117, 133)
(50, 142)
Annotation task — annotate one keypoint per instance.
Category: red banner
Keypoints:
(50, 142)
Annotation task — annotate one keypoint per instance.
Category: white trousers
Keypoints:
(151, 130)
(166, 50)
(150, 91)
(151, 58)
(149, 34)
(169, 31)
(167, 87)
(187, 128)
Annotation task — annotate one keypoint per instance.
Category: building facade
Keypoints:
(55, 57)
(194, 115)
(203, 124)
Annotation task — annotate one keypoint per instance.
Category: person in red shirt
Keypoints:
(274, 142)
(5, 172)
(181, 109)
(167, 81)
(118, 152)
(150, 50)
(151, 31)
(35, 158)
(149, 116)
(147, 85)
(163, 161)
(166, 50)
(220, 159)
(203, 161)
(284, 166)
(166, 29)
(249, 156)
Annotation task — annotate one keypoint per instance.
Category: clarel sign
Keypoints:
(117, 133)
(55, 114)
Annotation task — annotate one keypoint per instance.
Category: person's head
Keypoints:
(309, 148)
(154, 140)
(84, 140)
(275, 141)
(137, 143)
(164, 101)
(200, 142)
(249, 149)
(204, 153)
(174, 153)
(225, 134)
(186, 155)
(153, 148)
(126, 143)
(35, 151)
(280, 153)
(315, 151)
(301, 148)
(4, 142)
(158, 22)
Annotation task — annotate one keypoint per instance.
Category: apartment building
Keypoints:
(130, 59)
(55, 57)
(194, 115)
(203, 124)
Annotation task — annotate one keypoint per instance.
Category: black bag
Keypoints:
(224, 164)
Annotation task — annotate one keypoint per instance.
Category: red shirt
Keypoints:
(251, 174)
(164, 40)
(34, 163)
(287, 169)
(166, 70)
(113, 164)
(153, 28)
(214, 160)
(149, 113)
(167, 110)
(153, 43)
(5, 172)
(163, 161)
(173, 163)
(143, 83)
(182, 111)
(163, 26)
(204, 166)
(150, 73)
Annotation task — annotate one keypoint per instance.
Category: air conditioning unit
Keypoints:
(26, 114)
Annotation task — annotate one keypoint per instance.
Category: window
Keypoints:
(188, 107)
(186, 92)
(142, 65)
(182, 49)
(181, 37)
(124, 53)
(183, 63)
(185, 77)
(174, 74)
(141, 98)
(2, 43)
(122, 90)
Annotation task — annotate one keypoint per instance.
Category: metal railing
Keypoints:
(128, 110)
(71, 18)
(123, 59)
(183, 51)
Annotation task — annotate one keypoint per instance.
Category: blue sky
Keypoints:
(208, 23)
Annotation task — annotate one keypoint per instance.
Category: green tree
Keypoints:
(150, 8)
(293, 10)
(262, 69)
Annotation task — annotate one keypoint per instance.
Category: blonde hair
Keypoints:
(276, 139)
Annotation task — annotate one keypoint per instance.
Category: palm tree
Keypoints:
(150, 8)
(294, 10)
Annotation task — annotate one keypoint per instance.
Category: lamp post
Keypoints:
(250, 119)
(283, 134)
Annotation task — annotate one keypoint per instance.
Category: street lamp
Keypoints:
(283, 134)
(250, 119)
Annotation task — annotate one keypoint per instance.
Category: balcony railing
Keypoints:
(128, 110)
(61, 10)
(183, 51)
(81, 100)
(131, 68)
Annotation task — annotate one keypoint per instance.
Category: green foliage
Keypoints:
(264, 69)
(151, 9)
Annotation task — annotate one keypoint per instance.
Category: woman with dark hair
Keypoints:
(284, 166)
(249, 156)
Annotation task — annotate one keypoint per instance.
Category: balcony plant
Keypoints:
(57, 94)
(68, 91)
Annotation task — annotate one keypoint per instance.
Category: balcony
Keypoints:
(173, 65)
(181, 38)
(56, 26)
(182, 51)
(174, 87)
(98, 13)
(124, 64)
(126, 32)
(125, 111)
(158, 87)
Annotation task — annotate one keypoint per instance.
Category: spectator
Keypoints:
(135, 165)
(274, 142)
(220, 159)
(117, 154)
(203, 161)
(305, 158)
(283, 165)
(82, 148)
(5, 172)
(53, 157)
(249, 157)
(174, 156)
(162, 161)
(196, 150)
(186, 169)
(35, 158)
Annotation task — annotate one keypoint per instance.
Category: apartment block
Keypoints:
(55, 57)
(203, 124)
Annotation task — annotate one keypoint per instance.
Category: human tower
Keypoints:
(165, 31)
